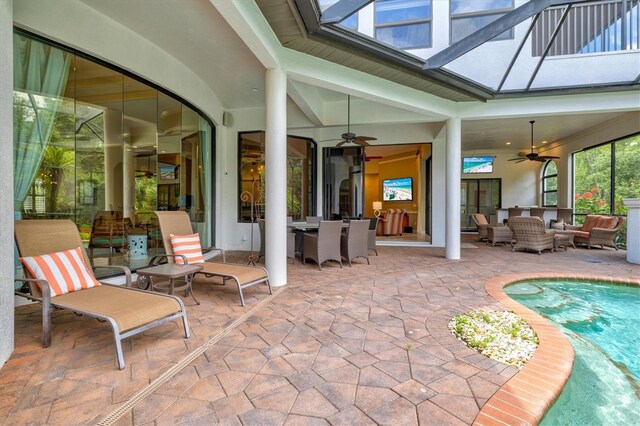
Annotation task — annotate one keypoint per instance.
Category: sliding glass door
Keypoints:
(478, 196)
(343, 182)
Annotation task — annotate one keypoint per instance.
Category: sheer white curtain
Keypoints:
(40, 75)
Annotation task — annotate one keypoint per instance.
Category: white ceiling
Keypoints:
(494, 134)
(195, 33)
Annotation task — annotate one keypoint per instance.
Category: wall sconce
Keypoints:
(377, 206)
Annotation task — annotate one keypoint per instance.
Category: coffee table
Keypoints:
(175, 278)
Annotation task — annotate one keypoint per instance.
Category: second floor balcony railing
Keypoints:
(603, 26)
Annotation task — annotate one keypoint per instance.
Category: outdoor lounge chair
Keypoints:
(529, 234)
(597, 230)
(129, 311)
(482, 225)
(178, 223)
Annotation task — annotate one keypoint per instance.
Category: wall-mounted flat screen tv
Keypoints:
(399, 189)
(477, 164)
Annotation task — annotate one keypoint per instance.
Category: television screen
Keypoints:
(400, 189)
(477, 164)
(168, 172)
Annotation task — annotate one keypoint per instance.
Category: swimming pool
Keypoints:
(601, 322)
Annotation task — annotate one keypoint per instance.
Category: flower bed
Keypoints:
(502, 336)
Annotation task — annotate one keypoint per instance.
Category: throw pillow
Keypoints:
(65, 271)
(188, 246)
(558, 225)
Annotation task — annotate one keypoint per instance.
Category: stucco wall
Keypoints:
(519, 181)
(6, 183)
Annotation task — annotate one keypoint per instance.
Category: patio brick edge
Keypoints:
(527, 396)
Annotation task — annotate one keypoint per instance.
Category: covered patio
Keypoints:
(361, 345)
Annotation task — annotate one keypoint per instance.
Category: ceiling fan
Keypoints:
(532, 156)
(349, 137)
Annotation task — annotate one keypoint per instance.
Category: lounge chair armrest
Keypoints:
(155, 260)
(603, 232)
(44, 289)
(208, 256)
(127, 272)
(572, 227)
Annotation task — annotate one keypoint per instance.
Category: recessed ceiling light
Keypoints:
(163, 151)
(255, 89)
(508, 143)
(133, 146)
(544, 141)
(533, 146)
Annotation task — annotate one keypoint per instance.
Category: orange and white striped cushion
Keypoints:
(188, 246)
(65, 271)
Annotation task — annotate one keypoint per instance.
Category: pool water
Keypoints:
(602, 322)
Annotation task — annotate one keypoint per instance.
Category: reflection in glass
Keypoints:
(406, 36)
(251, 168)
(467, 6)
(389, 11)
(89, 145)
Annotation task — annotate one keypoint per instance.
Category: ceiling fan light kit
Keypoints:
(350, 137)
(533, 156)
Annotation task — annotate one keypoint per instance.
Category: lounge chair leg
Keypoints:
(185, 323)
(269, 287)
(46, 322)
(240, 291)
(119, 352)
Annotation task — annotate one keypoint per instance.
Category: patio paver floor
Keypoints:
(360, 345)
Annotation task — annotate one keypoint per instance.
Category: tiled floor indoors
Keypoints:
(361, 345)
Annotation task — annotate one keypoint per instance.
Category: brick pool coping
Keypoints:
(526, 397)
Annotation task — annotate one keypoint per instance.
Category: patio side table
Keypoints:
(563, 239)
(499, 234)
(170, 273)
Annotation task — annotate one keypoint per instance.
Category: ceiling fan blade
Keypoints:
(366, 138)
(540, 159)
(339, 144)
(520, 160)
(360, 142)
(516, 159)
(548, 157)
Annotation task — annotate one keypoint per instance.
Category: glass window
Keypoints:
(550, 185)
(469, 16)
(404, 24)
(300, 176)
(105, 150)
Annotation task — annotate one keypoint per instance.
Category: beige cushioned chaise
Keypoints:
(178, 223)
(129, 311)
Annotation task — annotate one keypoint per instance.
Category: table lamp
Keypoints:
(377, 206)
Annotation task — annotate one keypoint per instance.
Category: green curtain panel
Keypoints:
(40, 77)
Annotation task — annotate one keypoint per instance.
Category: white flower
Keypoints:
(502, 336)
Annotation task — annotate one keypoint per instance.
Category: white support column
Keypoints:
(6, 183)
(454, 159)
(633, 229)
(276, 176)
